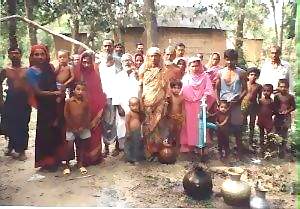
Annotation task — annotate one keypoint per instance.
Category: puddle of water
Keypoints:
(111, 197)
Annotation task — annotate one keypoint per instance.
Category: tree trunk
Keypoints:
(29, 14)
(75, 32)
(239, 35)
(275, 22)
(151, 23)
(12, 24)
(281, 26)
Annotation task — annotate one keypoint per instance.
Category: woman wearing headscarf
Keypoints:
(50, 131)
(153, 94)
(86, 72)
(196, 85)
(213, 66)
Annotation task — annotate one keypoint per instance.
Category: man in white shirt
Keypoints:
(127, 87)
(275, 69)
(107, 73)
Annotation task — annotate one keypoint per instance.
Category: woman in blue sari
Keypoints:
(50, 131)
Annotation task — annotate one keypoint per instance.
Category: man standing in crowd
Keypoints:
(140, 48)
(16, 110)
(275, 69)
(180, 50)
(231, 86)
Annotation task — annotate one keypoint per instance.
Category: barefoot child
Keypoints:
(176, 111)
(222, 122)
(284, 104)
(251, 98)
(265, 112)
(77, 116)
(134, 147)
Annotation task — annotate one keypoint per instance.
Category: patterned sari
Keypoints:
(153, 104)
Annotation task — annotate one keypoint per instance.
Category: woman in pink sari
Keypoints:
(196, 85)
(85, 71)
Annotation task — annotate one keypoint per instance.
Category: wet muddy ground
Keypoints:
(115, 183)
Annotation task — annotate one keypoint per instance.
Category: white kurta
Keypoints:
(127, 87)
(108, 76)
(270, 74)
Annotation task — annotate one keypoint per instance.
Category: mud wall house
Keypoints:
(200, 33)
(60, 43)
(253, 50)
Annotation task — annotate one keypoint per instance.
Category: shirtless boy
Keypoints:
(222, 122)
(251, 98)
(176, 111)
(284, 104)
(77, 116)
(64, 71)
(134, 148)
(265, 112)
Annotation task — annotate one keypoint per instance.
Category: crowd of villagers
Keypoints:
(139, 103)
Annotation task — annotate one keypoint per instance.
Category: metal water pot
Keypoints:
(167, 154)
(259, 200)
(197, 183)
(234, 191)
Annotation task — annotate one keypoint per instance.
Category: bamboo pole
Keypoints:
(36, 25)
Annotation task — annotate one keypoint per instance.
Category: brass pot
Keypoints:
(167, 154)
(234, 191)
(259, 200)
(197, 183)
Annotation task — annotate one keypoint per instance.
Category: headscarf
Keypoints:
(35, 47)
(126, 56)
(95, 94)
(152, 51)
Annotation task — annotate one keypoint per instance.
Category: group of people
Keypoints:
(140, 102)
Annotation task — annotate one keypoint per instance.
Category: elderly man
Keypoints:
(153, 93)
(275, 69)
(127, 87)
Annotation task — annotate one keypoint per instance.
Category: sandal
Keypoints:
(67, 171)
(83, 170)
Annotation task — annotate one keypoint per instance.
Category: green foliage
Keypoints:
(290, 19)
(255, 14)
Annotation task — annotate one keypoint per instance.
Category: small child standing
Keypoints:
(134, 146)
(284, 104)
(251, 99)
(77, 117)
(265, 113)
(175, 112)
(222, 122)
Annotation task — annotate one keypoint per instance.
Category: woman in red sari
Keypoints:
(85, 71)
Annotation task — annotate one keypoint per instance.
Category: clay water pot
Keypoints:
(259, 200)
(167, 154)
(234, 191)
(198, 184)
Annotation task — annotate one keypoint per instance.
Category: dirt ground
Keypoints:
(115, 183)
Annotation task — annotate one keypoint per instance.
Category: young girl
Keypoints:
(77, 117)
